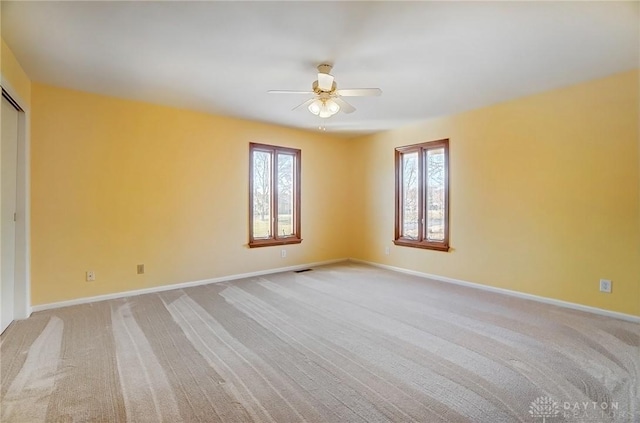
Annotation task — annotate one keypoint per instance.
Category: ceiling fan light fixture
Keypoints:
(332, 106)
(316, 107)
(324, 108)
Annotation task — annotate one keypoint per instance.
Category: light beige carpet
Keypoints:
(341, 343)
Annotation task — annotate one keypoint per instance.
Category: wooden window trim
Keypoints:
(296, 238)
(421, 242)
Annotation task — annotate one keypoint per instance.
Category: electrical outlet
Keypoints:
(91, 276)
(283, 253)
(605, 286)
(140, 269)
(386, 251)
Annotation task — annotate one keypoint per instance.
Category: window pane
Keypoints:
(410, 196)
(261, 194)
(435, 179)
(285, 195)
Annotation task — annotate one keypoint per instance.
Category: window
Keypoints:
(274, 195)
(422, 195)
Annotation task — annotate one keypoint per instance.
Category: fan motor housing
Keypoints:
(317, 90)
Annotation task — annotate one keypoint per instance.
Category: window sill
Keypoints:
(423, 245)
(274, 242)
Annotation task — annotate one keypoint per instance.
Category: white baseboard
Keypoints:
(546, 300)
(162, 288)
(560, 303)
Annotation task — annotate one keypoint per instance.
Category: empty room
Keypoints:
(320, 211)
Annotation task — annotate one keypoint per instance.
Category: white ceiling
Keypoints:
(429, 58)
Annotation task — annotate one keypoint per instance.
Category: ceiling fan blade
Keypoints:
(288, 92)
(344, 106)
(359, 92)
(304, 105)
(325, 81)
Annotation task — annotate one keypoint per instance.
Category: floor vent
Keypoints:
(303, 270)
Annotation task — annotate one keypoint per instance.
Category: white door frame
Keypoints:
(22, 286)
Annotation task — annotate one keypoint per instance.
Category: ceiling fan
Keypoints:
(327, 98)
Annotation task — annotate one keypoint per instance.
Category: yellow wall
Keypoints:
(116, 183)
(544, 195)
(14, 79)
